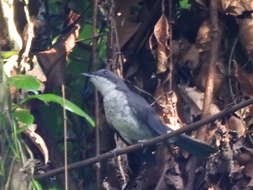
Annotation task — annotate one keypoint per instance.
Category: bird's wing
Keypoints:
(146, 114)
(149, 117)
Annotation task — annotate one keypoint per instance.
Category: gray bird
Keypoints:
(132, 116)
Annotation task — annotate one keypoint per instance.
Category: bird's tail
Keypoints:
(193, 146)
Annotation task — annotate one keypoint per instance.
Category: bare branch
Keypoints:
(149, 142)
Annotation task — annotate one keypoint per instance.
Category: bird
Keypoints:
(132, 116)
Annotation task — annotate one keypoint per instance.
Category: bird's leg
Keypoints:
(121, 162)
(141, 142)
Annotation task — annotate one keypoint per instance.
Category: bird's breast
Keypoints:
(119, 114)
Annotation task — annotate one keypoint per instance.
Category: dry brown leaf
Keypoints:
(236, 7)
(246, 34)
(237, 125)
(203, 39)
(168, 103)
(162, 35)
(38, 141)
(53, 60)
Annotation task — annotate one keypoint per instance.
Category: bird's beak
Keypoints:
(88, 75)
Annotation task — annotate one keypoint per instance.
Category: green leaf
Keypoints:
(36, 185)
(8, 54)
(21, 129)
(24, 116)
(184, 4)
(86, 33)
(68, 105)
(55, 39)
(25, 82)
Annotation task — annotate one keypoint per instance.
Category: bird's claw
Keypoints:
(114, 151)
(141, 142)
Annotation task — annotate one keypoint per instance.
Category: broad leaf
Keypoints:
(24, 82)
(68, 105)
(36, 185)
(24, 116)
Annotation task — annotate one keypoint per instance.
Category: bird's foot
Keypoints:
(115, 152)
(141, 142)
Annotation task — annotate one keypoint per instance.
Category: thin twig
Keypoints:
(229, 68)
(171, 65)
(149, 142)
(161, 180)
(10, 174)
(94, 61)
(209, 91)
(116, 57)
(30, 36)
(65, 138)
(208, 97)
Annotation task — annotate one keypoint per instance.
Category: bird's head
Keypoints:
(105, 80)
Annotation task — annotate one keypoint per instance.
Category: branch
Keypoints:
(149, 142)
(203, 134)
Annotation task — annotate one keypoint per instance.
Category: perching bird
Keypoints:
(133, 118)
